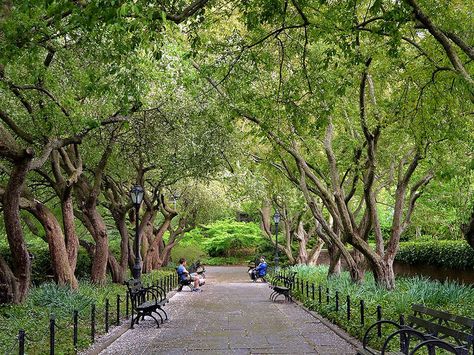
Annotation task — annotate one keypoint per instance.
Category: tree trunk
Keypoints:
(98, 231)
(63, 274)
(382, 267)
(334, 261)
(313, 256)
(72, 240)
(147, 249)
(166, 256)
(300, 234)
(119, 216)
(8, 283)
(384, 274)
(117, 272)
(11, 213)
(153, 249)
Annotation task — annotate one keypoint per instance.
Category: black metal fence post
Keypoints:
(320, 291)
(379, 318)
(312, 291)
(348, 302)
(127, 301)
(93, 323)
(362, 317)
(118, 310)
(327, 295)
(337, 301)
(302, 288)
(307, 289)
(107, 315)
(74, 331)
(403, 339)
(52, 326)
(21, 342)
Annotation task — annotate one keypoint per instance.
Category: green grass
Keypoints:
(49, 299)
(449, 296)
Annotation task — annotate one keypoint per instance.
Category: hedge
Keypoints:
(455, 254)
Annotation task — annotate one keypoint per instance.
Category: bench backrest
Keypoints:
(443, 325)
(285, 280)
(134, 285)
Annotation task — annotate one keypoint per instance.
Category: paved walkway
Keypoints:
(231, 316)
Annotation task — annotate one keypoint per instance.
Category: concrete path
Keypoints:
(231, 316)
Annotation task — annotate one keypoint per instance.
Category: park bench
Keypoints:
(146, 301)
(282, 286)
(432, 329)
(194, 268)
(182, 283)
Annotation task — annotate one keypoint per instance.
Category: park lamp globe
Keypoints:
(136, 194)
(276, 217)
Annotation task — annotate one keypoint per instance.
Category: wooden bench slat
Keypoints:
(436, 328)
(468, 322)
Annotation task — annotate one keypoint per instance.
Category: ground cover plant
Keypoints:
(447, 296)
(49, 300)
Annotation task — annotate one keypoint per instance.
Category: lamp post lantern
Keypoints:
(276, 219)
(136, 195)
(175, 199)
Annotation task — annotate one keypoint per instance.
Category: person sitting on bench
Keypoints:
(184, 275)
(260, 271)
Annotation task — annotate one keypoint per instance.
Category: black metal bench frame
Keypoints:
(182, 283)
(432, 328)
(282, 286)
(146, 301)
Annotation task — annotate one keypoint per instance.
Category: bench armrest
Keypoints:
(436, 343)
(365, 339)
(402, 332)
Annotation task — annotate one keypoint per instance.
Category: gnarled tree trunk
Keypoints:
(63, 273)
(72, 240)
(17, 286)
(8, 283)
(98, 230)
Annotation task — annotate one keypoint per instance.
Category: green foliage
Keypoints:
(456, 254)
(224, 242)
(448, 296)
(229, 238)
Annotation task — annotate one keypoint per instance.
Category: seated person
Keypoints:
(198, 270)
(260, 271)
(184, 274)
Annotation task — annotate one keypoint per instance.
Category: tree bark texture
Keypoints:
(98, 231)
(21, 269)
(63, 273)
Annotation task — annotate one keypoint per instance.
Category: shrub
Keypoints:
(456, 254)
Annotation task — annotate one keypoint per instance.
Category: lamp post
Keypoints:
(175, 199)
(136, 195)
(276, 219)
